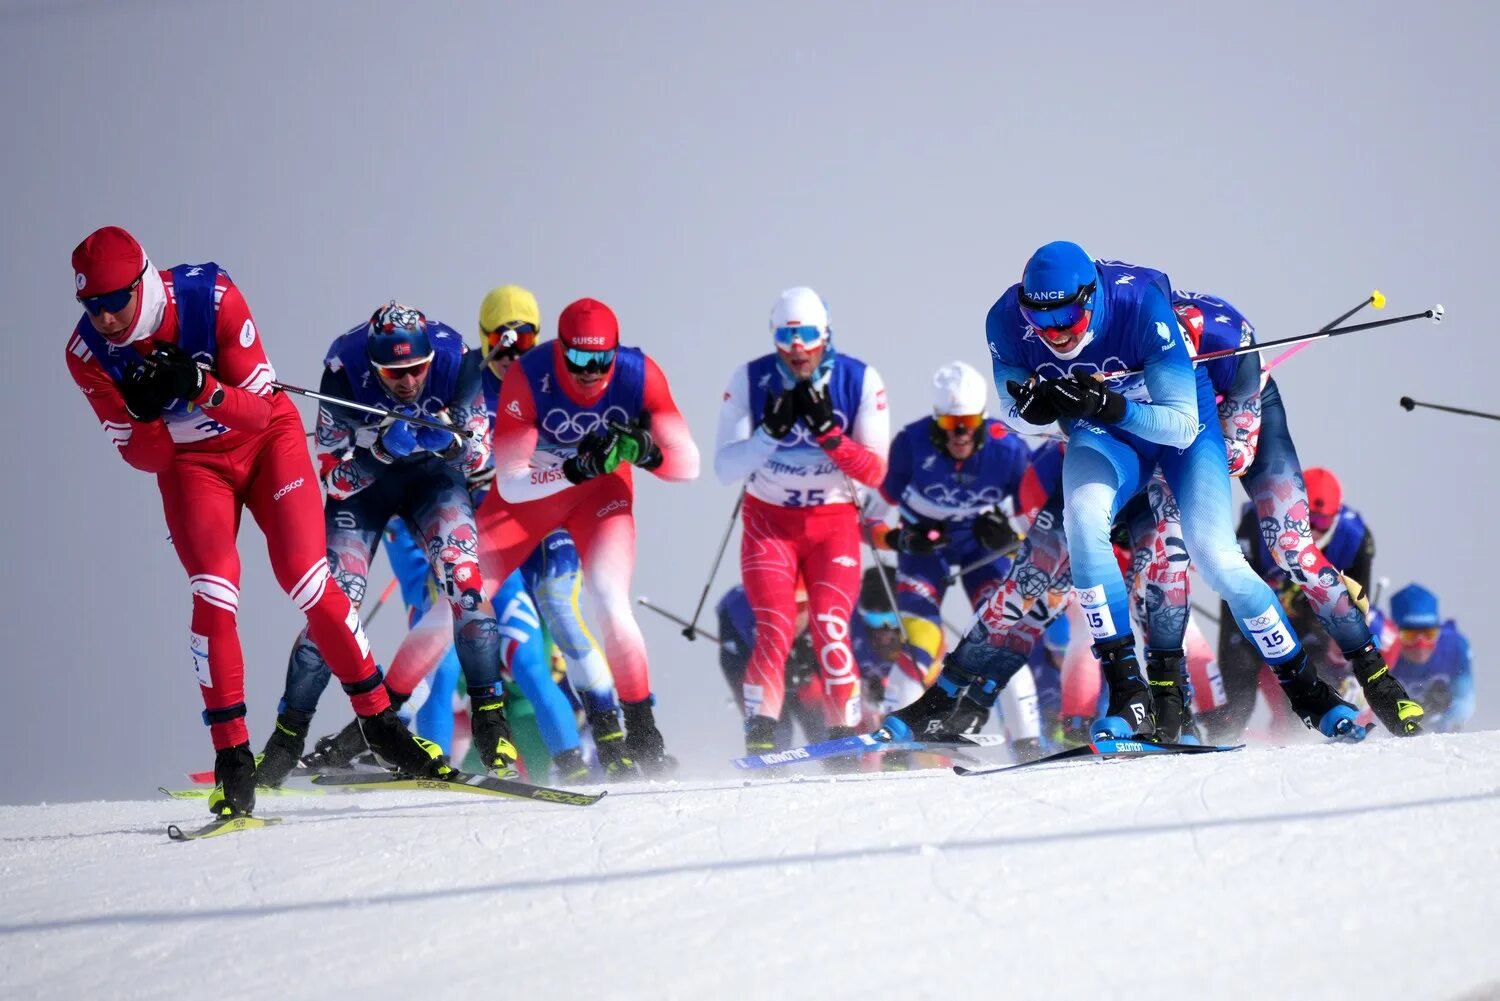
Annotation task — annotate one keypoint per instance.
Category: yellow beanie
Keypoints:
(508, 304)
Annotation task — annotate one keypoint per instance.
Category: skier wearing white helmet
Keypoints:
(954, 476)
(801, 426)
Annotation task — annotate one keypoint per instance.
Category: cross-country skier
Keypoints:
(1303, 531)
(174, 367)
(568, 431)
(1431, 657)
(801, 426)
(1061, 340)
(375, 470)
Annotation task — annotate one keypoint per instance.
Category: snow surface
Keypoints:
(1296, 872)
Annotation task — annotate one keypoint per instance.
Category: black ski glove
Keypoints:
(992, 531)
(1083, 397)
(178, 372)
(592, 457)
(816, 411)
(780, 416)
(647, 451)
(145, 393)
(919, 539)
(1031, 406)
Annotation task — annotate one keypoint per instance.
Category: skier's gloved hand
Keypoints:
(1083, 397)
(919, 538)
(144, 392)
(397, 438)
(445, 443)
(780, 415)
(598, 454)
(179, 374)
(815, 408)
(992, 530)
(1032, 406)
(636, 443)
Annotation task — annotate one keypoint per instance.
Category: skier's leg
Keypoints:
(768, 567)
(829, 565)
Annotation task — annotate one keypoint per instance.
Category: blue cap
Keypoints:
(398, 336)
(1056, 272)
(1057, 635)
(1415, 607)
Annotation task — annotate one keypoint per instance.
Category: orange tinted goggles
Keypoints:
(391, 373)
(955, 422)
(515, 337)
(1420, 637)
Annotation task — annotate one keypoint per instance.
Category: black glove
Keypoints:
(1031, 406)
(780, 416)
(145, 393)
(1084, 397)
(919, 539)
(992, 531)
(178, 372)
(592, 457)
(647, 451)
(816, 411)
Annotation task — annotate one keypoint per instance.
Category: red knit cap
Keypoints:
(108, 259)
(588, 325)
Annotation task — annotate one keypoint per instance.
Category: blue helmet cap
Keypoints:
(1415, 607)
(1056, 273)
(398, 336)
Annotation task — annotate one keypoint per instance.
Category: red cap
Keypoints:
(106, 260)
(1324, 494)
(588, 325)
(1190, 318)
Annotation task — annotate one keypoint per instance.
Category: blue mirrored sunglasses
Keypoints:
(807, 335)
(111, 302)
(881, 620)
(1055, 314)
(588, 361)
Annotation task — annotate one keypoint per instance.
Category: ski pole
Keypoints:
(676, 618)
(1376, 299)
(983, 561)
(1407, 403)
(691, 628)
(426, 422)
(880, 568)
(1435, 314)
(1210, 616)
(385, 596)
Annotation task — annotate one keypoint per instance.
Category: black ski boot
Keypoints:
(234, 782)
(609, 744)
(398, 748)
(1171, 695)
(337, 750)
(760, 735)
(971, 716)
(1315, 703)
(1397, 711)
(926, 716)
(492, 733)
(570, 767)
(643, 741)
(283, 750)
(1131, 712)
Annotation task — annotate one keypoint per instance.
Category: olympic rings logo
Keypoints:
(961, 497)
(799, 435)
(567, 428)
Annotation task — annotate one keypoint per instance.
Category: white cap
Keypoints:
(799, 307)
(958, 388)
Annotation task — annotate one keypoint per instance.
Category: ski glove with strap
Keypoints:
(780, 415)
(815, 408)
(397, 438)
(1084, 398)
(1032, 406)
(992, 531)
(145, 393)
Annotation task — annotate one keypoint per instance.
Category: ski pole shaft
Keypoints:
(690, 629)
(1375, 298)
(1210, 616)
(880, 568)
(426, 422)
(1407, 403)
(677, 619)
(385, 596)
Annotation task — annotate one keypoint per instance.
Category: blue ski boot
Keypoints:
(1317, 705)
(1131, 712)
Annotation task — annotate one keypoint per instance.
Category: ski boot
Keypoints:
(569, 766)
(234, 782)
(398, 748)
(760, 735)
(1171, 695)
(283, 750)
(643, 741)
(928, 715)
(970, 716)
(1397, 711)
(337, 750)
(609, 744)
(1317, 705)
(492, 734)
(1131, 713)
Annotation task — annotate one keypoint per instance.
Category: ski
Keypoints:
(223, 825)
(199, 792)
(866, 743)
(299, 771)
(483, 785)
(1104, 749)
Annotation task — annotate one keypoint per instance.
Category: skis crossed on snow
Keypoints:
(1104, 748)
(464, 782)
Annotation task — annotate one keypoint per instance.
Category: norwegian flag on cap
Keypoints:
(107, 259)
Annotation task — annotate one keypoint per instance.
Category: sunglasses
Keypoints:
(880, 620)
(588, 361)
(1070, 315)
(809, 336)
(111, 302)
(511, 338)
(1420, 637)
(417, 370)
(960, 422)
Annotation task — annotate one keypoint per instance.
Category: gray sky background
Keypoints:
(684, 163)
